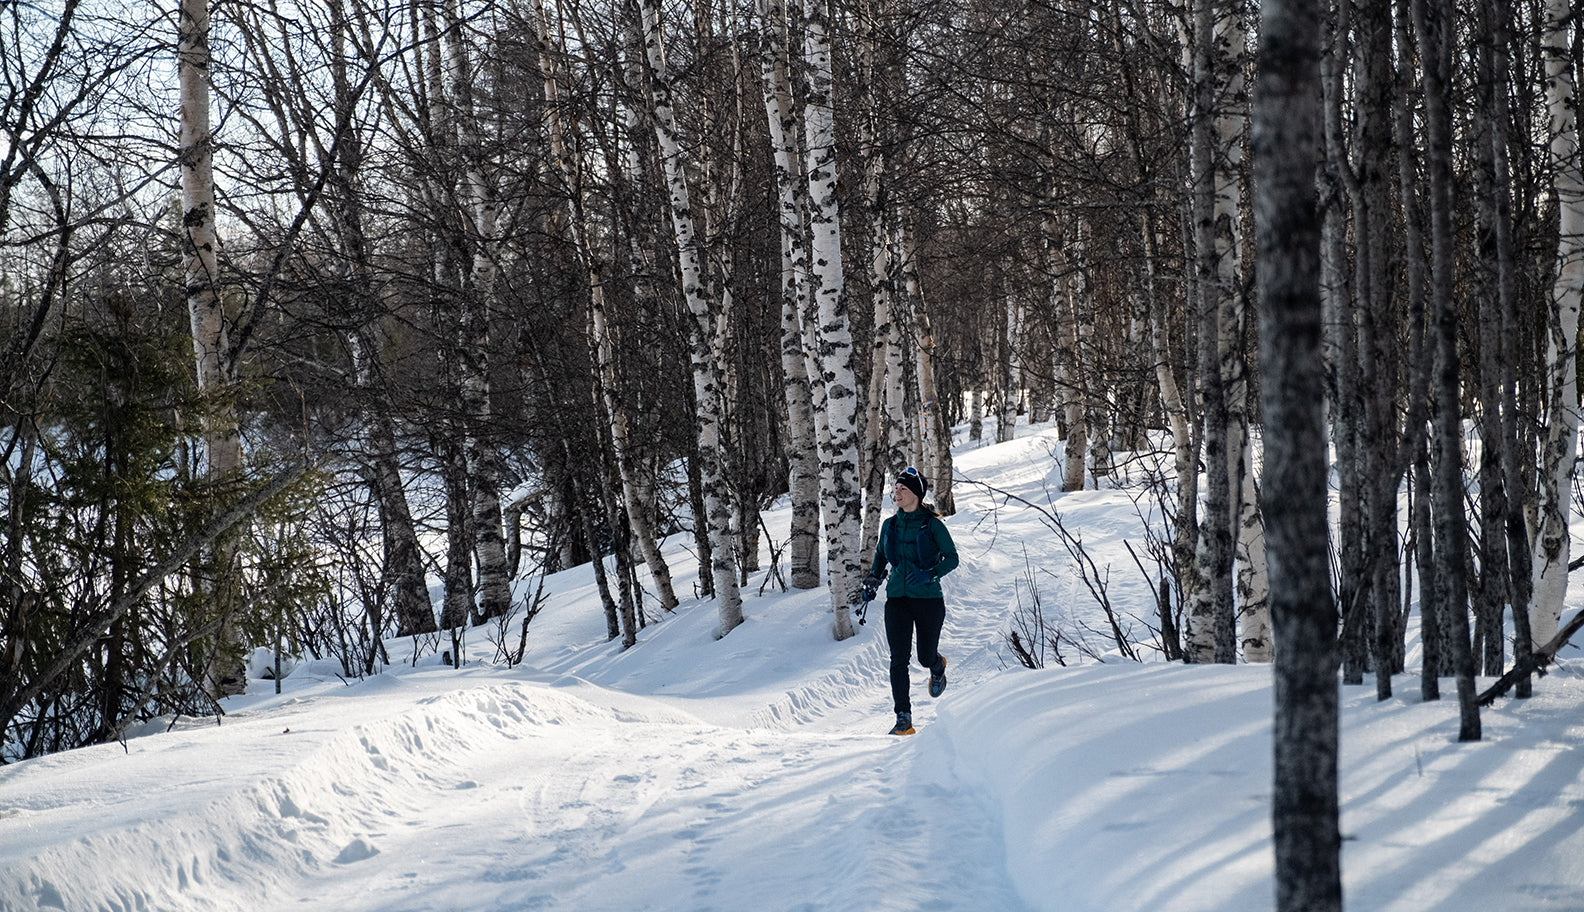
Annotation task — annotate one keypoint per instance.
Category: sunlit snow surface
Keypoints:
(753, 772)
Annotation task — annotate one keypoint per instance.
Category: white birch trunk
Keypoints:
(1252, 584)
(1559, 451)
(803, 479)
(1010, 376)
(603, 340)
(200, 261)
(1209, 615)
(934, 434)
(874, 458)
(884, 436)
(1253, 575)
(642, 259)
(706, 379)
(899, 437)
(884, 445)
(489, 544)
(200, 241)
(843, 499)
(1074, 334)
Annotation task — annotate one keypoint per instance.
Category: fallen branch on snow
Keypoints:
(1535, 663)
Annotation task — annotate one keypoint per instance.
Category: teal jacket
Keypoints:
(914, 541)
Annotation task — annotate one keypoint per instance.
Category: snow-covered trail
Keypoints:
(603, 812)
(540, 793)
(750, 772)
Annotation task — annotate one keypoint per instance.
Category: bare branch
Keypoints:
(100, 622)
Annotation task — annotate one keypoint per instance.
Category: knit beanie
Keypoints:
(913, 481)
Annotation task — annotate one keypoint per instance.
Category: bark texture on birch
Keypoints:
(223, 674)
(802, 445)
(1559, 447)
(1211, 621)
(1070, 295)
(1248, 533)
(843, 496)
(602, 336)
(706, 377)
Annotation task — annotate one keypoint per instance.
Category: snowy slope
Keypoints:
(752, 772)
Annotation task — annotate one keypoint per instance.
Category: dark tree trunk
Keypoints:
(621, 548)
(1286, 140)
(1494, 583)
(1430, 597)
(1413, 454)
(1372, 207)
(1512, 436)
(701, 538)
(1432, 26)
(457, 602)
(1342, 348)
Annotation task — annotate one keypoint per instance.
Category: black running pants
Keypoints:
(904, 616)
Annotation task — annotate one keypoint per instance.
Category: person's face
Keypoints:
(906, 500)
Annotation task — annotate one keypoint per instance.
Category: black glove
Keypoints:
(871, 585)
(921, 577)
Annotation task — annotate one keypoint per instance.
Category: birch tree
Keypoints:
(1247, 528)
(802, 448)
(935, 431)
(1008, 380)
(842, 497)
(1211, 621)
(885, 443)
(211, 341)
(569, 163)
(1173, 402)
(701, 329)
(1559, 448)
(1071, 304)
(479, 203)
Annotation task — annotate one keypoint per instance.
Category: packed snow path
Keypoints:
(751, 772)
(541, 793)
(689, 773)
